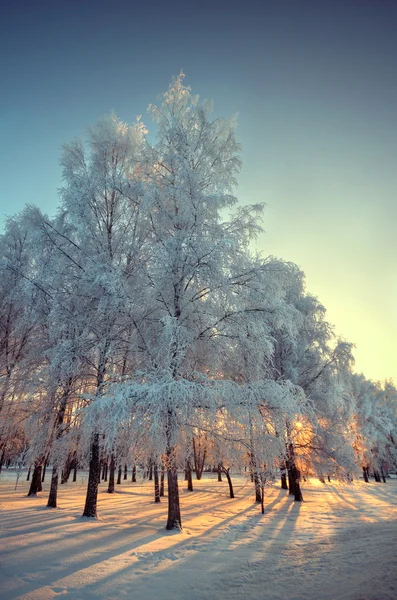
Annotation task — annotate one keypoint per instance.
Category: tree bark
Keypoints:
(133, 476)
(174, 513)
(90, 509)
(52, 498)
(229, 480)
(119, 475)
(284, 485)
(162, 480)
(125, 472)
(219, 472)
(365, 475)
(112, 468)
(156, 483)
(35, 484)
(199, 455)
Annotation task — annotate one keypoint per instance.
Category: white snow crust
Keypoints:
(340, 544)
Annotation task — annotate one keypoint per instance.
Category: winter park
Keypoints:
(179, 416)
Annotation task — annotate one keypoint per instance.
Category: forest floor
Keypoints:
(339, 544)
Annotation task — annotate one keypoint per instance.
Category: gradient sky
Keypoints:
(315, 86)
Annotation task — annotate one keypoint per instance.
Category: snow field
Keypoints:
(341, 543)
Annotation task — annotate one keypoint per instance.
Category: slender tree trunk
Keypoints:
(229, 480)
(35, 484)
(383, 475)
(105, 478)
(133, 476)
(112, 468)
(189, 479)
(44, 470)
(90, 509)
(377, 476)
(219, 472)
(52, 498)
(28, 475)
(284, 485)
(199, 455)
(365, 475)
(150, 470)
(162, 480)
(2, 459)
(156, 483)
(329, 478)
(125, 472)
(75, 471)
(119, 475)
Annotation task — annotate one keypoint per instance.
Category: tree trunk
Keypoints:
(383, 475)
(35, 484)
(162, 481)
(90, 509)
(28, 475)
(199, 455)
(150, 470)
(295, 474)
(365, 475)
(112, 468)
(229, 480)
(329, 478)
(219, 472)
(75, 471)
(105, 478)
(377, 476)
(44, 470)
(119, 475)
(125, 472)
(52, 498)
(156, 484)
(189, 479)
(174, 513)
(133, 476)
(284, 485)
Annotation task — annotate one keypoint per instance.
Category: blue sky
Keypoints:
(315, 86)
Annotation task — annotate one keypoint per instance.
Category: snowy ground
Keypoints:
(341, 543)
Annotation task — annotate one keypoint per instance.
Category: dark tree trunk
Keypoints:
(103, 471)
(284, 485)
(329, 478)
(229, 480)
(322, 479)
(219, 472)
(133, 476)
(52, 498)
(105, 478)
(35, 484)
(377, 476)
(295, 473)
(150, 470)
(44, 470)
(28, 475)
(156, 483)
(2, 459)
(66, 470)
(262, 499)
(112, 468)
(120, 471)
(125, 472)
(199, 455)
(90, 509)
(365, 475)
(383, 475)
(75, 471)
(189, 479)
(162, 480)
(174, 513)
